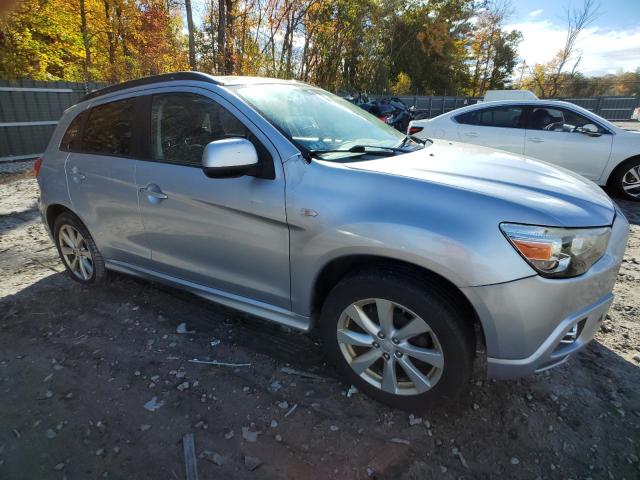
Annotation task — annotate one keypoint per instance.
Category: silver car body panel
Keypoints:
(230, 234)
(249, 305)
(522, 318)
(259, 245)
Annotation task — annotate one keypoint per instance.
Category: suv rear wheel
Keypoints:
(398, 339)
(78, 251)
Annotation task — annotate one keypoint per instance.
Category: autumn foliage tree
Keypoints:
(376, 46)
(83, 40)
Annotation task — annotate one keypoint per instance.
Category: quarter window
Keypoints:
(504, 117)
(182, 124)
(72, 135)
(109, 128)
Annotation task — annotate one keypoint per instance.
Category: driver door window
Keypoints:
(558, 120)
(182, 124)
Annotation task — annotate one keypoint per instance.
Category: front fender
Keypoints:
(358, 213)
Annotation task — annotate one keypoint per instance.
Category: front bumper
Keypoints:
(536, 323)
(570, 336)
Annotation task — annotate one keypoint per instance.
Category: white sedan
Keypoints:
(557, 132)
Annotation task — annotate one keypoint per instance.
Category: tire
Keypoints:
(623, 176)
(85, 251)
(451, 337)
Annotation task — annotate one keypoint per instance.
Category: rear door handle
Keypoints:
(472, 134)
(154, 191)
(535, 140)
(75, 171)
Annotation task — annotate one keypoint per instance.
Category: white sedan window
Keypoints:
(504, 117)
(557, 120)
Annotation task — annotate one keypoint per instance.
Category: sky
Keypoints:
(611, 43)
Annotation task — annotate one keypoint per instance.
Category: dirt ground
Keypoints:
(81, 371)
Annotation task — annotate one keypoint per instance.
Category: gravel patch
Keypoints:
(98, 383)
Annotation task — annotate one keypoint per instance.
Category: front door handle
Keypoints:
(153, 191)
(472, 134)
(535, 140)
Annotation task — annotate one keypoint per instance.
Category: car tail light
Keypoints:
(413, 130)
(37, 165)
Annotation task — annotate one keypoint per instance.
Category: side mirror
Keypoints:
(589, 129)
(230, 157)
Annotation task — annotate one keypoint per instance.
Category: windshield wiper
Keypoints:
(363, 149)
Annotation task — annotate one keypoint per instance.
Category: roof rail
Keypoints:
(165, 77)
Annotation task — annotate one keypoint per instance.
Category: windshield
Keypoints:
(317, 121)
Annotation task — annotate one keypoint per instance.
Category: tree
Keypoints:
(504, 59)
(552, 78)
(400, 46)
(402, 85)
(83, 40)
(192, 41)
(493, 51)
(577, 20)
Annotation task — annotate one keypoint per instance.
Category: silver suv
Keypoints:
(284, 201)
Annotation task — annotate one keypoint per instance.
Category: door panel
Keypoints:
(101, 179)
(553, 136)
(227, 233)
(495, 127)
(104, 195)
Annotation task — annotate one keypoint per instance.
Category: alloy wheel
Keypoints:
(631, 182)
(390, 347)
(75, 252)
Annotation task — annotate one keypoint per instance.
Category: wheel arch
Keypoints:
(340, 267)
(54, 211)
(619, 167)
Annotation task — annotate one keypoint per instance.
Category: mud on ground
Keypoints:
(78, 366)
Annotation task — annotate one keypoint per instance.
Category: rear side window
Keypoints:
(109, 127)
(71, 137)
(504, 117)
(182, 124)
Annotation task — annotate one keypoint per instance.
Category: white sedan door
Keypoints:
(495, 127)
(556, 135)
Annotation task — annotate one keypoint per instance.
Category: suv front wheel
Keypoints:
(398, 339)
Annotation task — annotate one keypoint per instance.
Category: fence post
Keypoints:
(598, 105)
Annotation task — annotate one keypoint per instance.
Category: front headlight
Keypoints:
(558, 252)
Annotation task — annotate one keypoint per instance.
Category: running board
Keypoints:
(253, 307)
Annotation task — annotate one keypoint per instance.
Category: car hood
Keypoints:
(568, 198)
